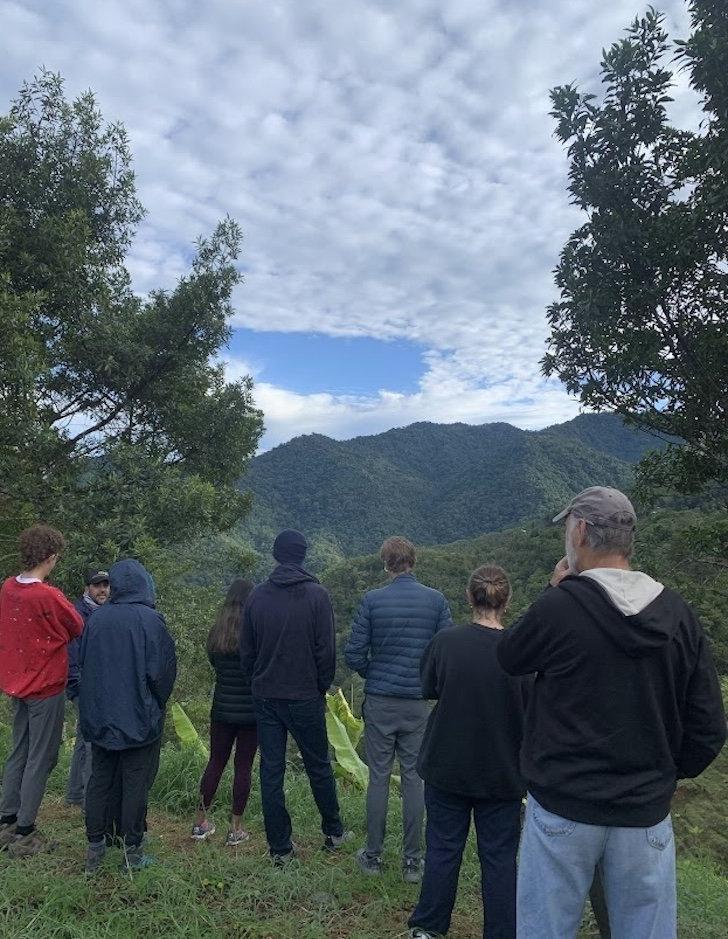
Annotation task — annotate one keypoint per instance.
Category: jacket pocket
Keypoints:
(659, 836)
(552, 825)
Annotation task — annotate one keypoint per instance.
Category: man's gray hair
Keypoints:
(603, 540)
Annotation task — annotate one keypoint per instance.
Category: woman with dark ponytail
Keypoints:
(469, 761)
(232, 719)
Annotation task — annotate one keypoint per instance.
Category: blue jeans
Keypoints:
(497, 827)
(306, 723)
(557, 863)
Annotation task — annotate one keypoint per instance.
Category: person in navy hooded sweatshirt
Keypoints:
(288, 648)
(129, 666)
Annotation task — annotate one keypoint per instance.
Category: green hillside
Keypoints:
(433, 482)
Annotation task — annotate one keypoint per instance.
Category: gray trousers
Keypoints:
(80, 771)
(37, 733)
(394, 726)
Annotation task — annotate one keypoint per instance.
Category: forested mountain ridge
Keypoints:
(432, 482)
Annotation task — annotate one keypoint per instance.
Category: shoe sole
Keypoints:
(208, 834)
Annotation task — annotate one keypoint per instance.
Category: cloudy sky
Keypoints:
(391, 163)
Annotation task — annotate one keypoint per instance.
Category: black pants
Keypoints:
(119, 786)
(306, 722)
(497, 828)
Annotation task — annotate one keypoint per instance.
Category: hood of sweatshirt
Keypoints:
(130, 582)
(629, 591)
(630, 607)
(288, 575)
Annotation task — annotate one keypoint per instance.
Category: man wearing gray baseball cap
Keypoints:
(626, 702)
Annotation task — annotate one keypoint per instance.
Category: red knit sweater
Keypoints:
(36, 624)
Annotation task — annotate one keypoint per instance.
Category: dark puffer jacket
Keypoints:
(391, 630)
(232, 702)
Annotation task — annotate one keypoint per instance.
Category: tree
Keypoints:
(641, 326)
(115, 423)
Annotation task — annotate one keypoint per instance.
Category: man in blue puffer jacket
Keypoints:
(391, 630)
(129, 666)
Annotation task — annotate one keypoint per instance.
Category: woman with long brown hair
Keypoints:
(232, 719)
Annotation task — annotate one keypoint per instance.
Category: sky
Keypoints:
(392, 166)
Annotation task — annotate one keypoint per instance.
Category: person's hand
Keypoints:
(560, 571)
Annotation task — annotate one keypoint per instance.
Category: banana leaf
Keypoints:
(348, 763)
(340, 706)
(186, 732)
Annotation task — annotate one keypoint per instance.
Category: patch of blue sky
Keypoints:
(308, 363)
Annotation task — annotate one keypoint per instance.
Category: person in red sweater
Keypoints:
(36, 624)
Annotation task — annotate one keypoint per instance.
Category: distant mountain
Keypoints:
(434, 483)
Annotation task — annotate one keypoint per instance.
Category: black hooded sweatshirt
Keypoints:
(287, 641)
(622, 705)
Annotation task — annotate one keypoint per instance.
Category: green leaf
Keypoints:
(185, 730)
(340, 706)
(348, 761)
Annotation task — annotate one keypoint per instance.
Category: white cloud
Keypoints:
(393, 168)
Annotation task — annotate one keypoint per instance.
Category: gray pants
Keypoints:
(80, 771)
(394, 726)
(37, 733)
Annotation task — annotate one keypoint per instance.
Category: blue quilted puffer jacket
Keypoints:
(391, 630)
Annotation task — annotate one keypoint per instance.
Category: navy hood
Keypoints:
(637, 635)
(130, 582)
(288, 575)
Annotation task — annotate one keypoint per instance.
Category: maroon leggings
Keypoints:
(222, 738)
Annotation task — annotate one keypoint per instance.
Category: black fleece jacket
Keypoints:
(474, 732)
(622, 706)
(287, 641)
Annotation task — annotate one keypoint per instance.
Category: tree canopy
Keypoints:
(641, 325)
(115, 422)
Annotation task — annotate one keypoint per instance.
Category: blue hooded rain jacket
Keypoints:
(128, 662)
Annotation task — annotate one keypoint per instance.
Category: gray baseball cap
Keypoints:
(603, 506)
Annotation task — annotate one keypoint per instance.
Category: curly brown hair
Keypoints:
(38, 543)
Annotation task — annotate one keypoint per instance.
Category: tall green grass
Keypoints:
(206, 890)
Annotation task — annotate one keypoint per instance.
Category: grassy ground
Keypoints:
(206, 890)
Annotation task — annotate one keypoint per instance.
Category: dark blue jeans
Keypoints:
(497, 828)
(306, 723)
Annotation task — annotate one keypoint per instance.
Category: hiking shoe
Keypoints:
(417, 933)
(281, 860)
(236, 837)
(204, 831)
(412, 870)
(30, 845)
(95, 853)
(136, 860)
(334, 842)
(368, 864)
(7, 834)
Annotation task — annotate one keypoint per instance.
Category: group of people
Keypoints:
(110, 653)
(594, 703)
